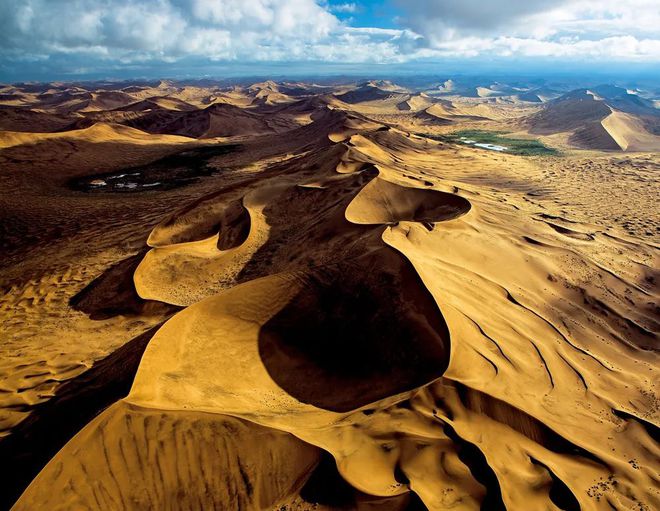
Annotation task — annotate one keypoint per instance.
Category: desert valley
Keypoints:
(329, 295)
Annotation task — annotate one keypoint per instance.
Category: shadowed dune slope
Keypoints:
(218, 120)
(568, 113)
(370, 92)
(27, 120)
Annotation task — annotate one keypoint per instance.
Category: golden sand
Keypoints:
(457, 328)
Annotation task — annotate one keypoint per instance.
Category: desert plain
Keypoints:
(340, 295)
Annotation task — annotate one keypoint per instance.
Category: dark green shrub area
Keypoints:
(519, 146)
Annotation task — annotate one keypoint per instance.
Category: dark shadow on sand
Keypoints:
(357, 332)
(34, 442)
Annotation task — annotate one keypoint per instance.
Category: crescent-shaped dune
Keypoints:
(382, 202)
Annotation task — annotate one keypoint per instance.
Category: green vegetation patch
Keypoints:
(496, 140)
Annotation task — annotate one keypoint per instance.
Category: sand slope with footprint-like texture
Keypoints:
(377, 304)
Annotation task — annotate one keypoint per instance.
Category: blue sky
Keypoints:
(85, 39)
(368, 13)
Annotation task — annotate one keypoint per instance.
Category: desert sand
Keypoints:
(341, 310)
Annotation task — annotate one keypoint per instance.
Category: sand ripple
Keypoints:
(429, 337)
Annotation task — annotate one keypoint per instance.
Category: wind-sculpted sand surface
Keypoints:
(432, 317)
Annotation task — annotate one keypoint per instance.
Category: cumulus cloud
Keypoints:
(215, 28)
(88, 34)
(559, 28)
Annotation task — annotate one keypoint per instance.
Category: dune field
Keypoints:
(293, 296)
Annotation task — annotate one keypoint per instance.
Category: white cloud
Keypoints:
(216, 28)
(350, 8)
(91, 32)
(553, 28)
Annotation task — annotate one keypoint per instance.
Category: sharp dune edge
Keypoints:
(451, 341)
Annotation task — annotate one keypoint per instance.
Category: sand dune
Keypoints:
(218, 120)
(456, 111)
(193, 452)
(371, 92)
(99, 132)
(27, 120)
(416, 103)
(569, 112)
(83, 101)
(271, 93)
(442, 327)
(594, 135)
(599, 122)
(382, 202)
(630, 132)
(155, 103)
(530, 96)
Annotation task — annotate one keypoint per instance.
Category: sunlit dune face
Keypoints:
(382, 202)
